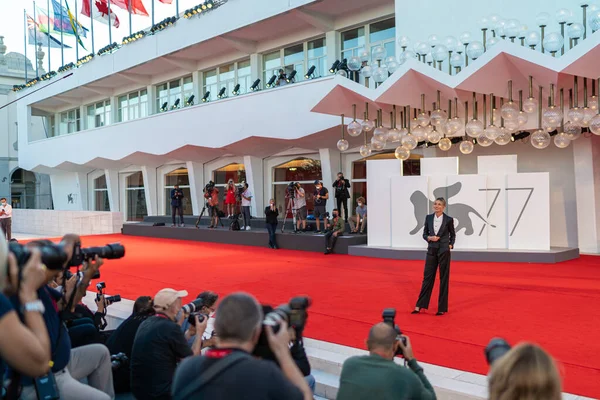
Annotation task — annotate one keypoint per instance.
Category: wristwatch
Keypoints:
(33, 306)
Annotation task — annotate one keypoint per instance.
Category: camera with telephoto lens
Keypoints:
(496, 348)
(111, 251)
(208, 188)
(119, 361)
(193, 309)
(389, 316)
(100, 286)
(192, 318)
(53, 255)
(294, 313)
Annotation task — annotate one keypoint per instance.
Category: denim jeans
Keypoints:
(311, 382)
(271, 228)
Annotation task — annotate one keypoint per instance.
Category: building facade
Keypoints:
(185, 106)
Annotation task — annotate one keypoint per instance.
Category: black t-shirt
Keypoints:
(322, 192)
(158, 346)
(121, 340)
(248, 379)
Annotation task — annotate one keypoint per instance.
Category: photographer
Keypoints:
(232, 369)
(359, 220)
(208, 300)
(281, 78)
(271, 213)
(177, 204)
(342, 195)
(211, 194)
(378, 373)
(69, 366)
(337, 229)
(246, 202)
(300, 201)
(160, 344)
(121, 341)
(321, 195)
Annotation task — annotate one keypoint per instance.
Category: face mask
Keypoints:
(335, 215)
(360, 204)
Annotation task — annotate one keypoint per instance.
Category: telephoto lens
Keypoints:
(192, 318)
(53, 256)
(195, 305)
(496, 348)
(113, 299)
(111, 251)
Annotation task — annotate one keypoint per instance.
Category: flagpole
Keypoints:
(177, 8)
(48, 15)
(62, 28)
(25, 37)
(129, 9)
(92, 23)
(109, 25)
(37, 73)
(77, 29)
(152, 12)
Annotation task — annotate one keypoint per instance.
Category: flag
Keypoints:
(137, 7)
(74, 28)
(62, 21)
(46, 24)
(39, 37)
(100, 11)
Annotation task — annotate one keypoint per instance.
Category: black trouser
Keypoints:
(342, 202)
(432, 261)
(177, 210)
(6, 225)
(330, 239)
(246, 214)
(271, 228)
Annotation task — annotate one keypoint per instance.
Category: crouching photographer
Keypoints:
(378, 373)
(523, 372)
(68, 366)
(204, 305)
(230, 371)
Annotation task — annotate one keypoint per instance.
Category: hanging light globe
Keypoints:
(393, 66)
(423, 48)
(394, 135)
(499, 27)
(553, 42)
(575, 30)
(532, 38)
(403, 132)
(493, 20)
(365, 150)
(406, 55)
(428, 58)
(540, 139)
(552, 116)
(573, 131)
(491, 132)
(377, 144)
(475, 50)
(388, 60)
(379, 53)
(417, 46)
(474, 128)
(588, 114)
(368, 125)
(512, 28)
(511, 125)
(504, 137)
(404, 41)
(548, 128)
(509, 111)
(380, 134)
(490, 42)
(342, 145)
(402, 153)
(364, 56)
(484, 141)
(594, 125)
(354, 63)
(562, 15)
(522, 118)
(367, 71)
(434, 136)
(433, 40)
(575, 115)
(466, 147)
(423, 119)
(593, 103)
(465, 38)
(561, 140)
(380, 74)
(409, 141)
(419, 133)
(454, 125)
(354, 128)
(445, 144)
(457, 60)
(451, 43)
(530, 105)
(484, 22)
(438, 117)
(342, 73)
(428, 129)
(542, 19)
(439, 53)
(594, 20)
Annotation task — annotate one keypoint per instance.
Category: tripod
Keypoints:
(290, 207)
(202, 213)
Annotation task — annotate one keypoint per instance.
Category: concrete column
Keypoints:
(114, 110)
(69, 191)
(197, 81)
(196, 177)
(149, 174)
(151, 100)
(587, 193)
(256, 67)
(334, 48)
(112, 184)
(82, 192)
(255, 182)
(331, 164)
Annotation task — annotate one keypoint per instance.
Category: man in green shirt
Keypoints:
(377, 376)
(337, 229)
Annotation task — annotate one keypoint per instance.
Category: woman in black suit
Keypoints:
(271, 214)
(439, 234)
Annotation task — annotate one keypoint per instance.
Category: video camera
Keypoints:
(290, 191)
(496, 348)
(100, 286)
(193, 309)
(208, 188)
(389, 316)
(239, 190)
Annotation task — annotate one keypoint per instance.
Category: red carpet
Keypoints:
(555, 306)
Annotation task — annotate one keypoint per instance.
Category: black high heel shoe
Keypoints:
(440, 313)
(416, 311)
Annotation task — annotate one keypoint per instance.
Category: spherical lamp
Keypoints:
(365, 150)
(594, 20)
(419, 133)
(484, 141)
(368, 125)
(530, 105)
(575, 31)
(342, 73)
(445, 144)
(380, 134)
(561, 140)
(409, 141)
(562, 15)
(405, 55)
(491, 132)
(393, 66)
(394, 135)
(364, 56)
(594, 125)
(553, 42)
(434, 136)
(576, 115)
(542, 19)
(402, 153)
(552, 116)
(354, 128)
(376, 144)
(522, 118)
(492, 41)
(457, 61)
(475, 50)
(379, 53)
(354, 63)
(342, 145)
(438, 117)
(504, 137)
(532, 38)
(474, 128)
(512, 28)
(465, 38)
(573, 131)
(367, 71)
(433, 40)
(404, 41)
(380, 74)
(451, 43)
(466, 147)
(509, 111)
(540, 139)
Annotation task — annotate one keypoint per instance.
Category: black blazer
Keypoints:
(446, 233)
(271, 216)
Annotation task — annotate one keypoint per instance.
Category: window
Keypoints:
(101, 202)
(353, 41)
(317, 56)
(227, 76)
(293, 59)
(383, 33)
(98, 114)
(132, 106)
(178, 177)
(70, 121)
(303, 170)
(135, 197)
(174, 94)
(271, 64)
(221, 176)
(299, 58)
(50, 126)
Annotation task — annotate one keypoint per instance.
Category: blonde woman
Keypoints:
(526, 372)
(230, 198)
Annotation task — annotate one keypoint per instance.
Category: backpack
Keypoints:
(235, 225)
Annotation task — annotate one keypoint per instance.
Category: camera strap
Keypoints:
(211, 373)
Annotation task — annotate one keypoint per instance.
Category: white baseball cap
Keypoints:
(165, 297)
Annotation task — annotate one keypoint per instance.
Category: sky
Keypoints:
(12, 27)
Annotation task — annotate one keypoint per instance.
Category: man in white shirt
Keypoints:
(6, 218)
(246, 201)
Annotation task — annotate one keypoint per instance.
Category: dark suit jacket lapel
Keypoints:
(443, 225)
(430, 223)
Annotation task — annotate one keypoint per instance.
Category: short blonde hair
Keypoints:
(526, 372)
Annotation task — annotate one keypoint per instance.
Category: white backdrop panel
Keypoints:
(437, 187)
(528, 211)
(379, 172)
(409, 208)
(487, 165)
(497, 215)
(467, 205)
(439, 166)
